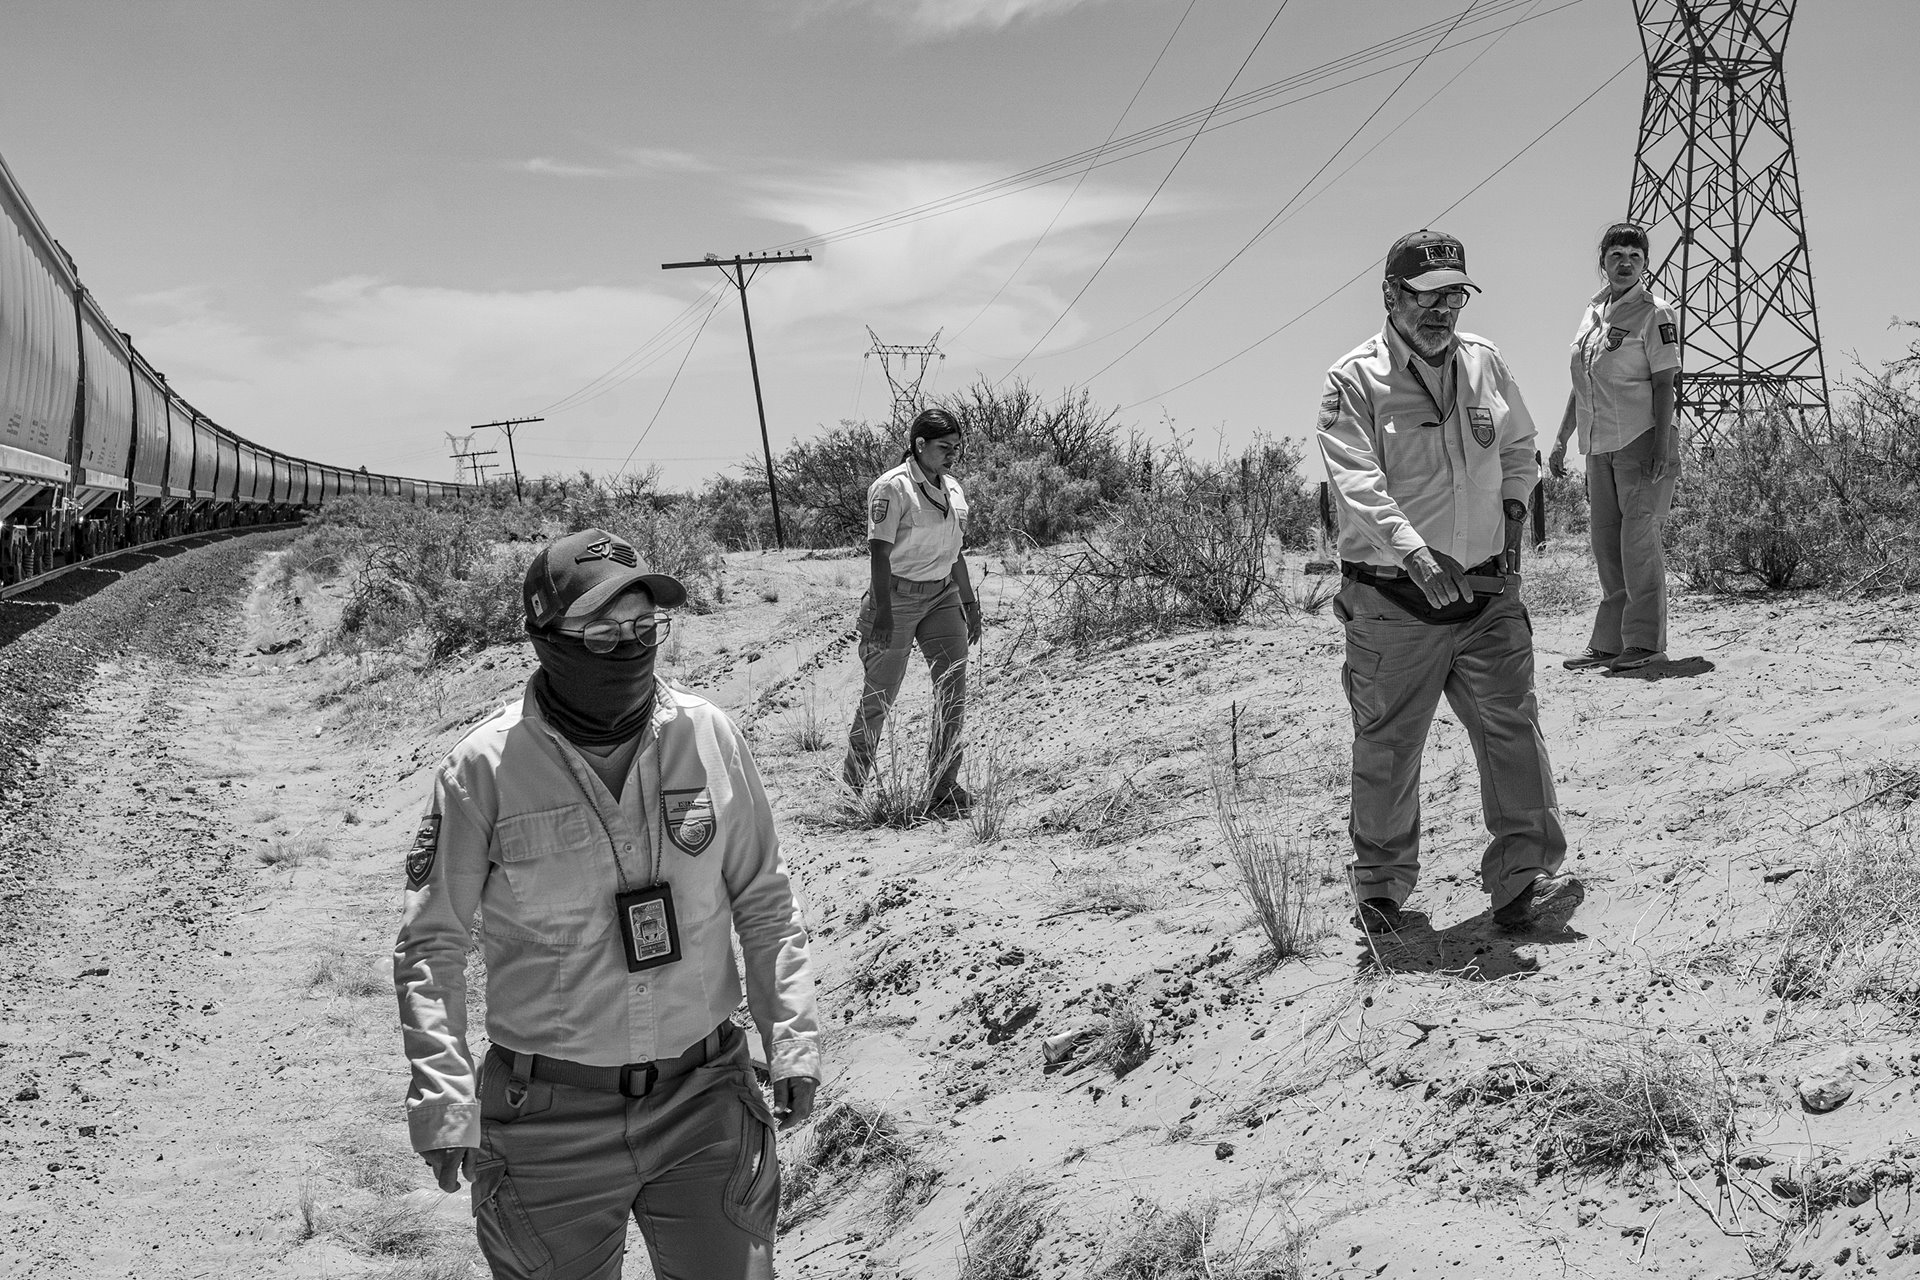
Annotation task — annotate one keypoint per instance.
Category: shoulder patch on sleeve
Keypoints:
(1669, 334)
(426, 844)
(877, 510)
(1329, 409)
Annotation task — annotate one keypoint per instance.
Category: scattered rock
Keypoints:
(1223, 1151)
(1822, 1089)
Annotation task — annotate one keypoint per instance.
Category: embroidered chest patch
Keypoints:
(426, 843)
(1481, 420)
(1615, 336)
(688, 813)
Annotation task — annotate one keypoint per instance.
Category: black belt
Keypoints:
(622, 1079)
(1372, 573)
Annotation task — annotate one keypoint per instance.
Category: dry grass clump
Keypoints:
(1614, 1105)
(1560, 578)
(295, 850)
(343, 973)
(1007, 1221)
(1184, 1245)
(846, 1142)
(1852, 930)
(1125, 1042)
(1274, 874)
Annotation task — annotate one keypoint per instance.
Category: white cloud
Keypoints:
(942, 271)
(944, 17)
(627, 162)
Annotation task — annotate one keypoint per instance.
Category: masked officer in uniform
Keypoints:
(1430, 456)
(613, 835)
(920, 593)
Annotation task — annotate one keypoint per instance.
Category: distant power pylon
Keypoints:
(467, 467)
(906, 382)
(1716, 185)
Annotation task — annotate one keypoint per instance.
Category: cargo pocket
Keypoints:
(1359, 674)
(752, 1199)
(505, 1231)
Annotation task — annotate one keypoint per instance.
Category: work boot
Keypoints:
(1633, 659)
(1378, 916)
(1543, 898)
(1588, 658)
(950, 804)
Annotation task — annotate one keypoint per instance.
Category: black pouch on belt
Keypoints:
(1406, 593)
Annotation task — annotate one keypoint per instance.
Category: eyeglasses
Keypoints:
(603, 635)
(1452, 298)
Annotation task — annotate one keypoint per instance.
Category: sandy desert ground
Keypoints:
(203, 824)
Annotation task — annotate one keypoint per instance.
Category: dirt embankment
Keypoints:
(201, 1078)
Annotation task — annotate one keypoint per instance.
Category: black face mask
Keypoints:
(594, 699)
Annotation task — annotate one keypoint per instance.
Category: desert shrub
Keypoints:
(846, 1142)
(1035, 469)
(1609, 1105)
(1274, 874)
(1006, 1222)
(1196, 547)
(1184, 1244)
(1566, 504)
(1786, 500)
(451, 573)
(1125, 1041)
(1851, 931)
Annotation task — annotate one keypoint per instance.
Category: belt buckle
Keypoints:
(651, 1072)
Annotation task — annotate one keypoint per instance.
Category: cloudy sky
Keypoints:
(344, 229)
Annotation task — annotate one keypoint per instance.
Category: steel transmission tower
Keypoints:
(906, 382)
(1716, 185)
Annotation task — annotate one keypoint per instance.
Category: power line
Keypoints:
(671, 384)
(1150, 139)
(1271, 222)
(1344, 285)
(663, 337)
(1153, 195)
(1081, 180)
(1185, 293)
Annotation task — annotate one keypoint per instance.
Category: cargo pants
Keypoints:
(1628, 518)
(1397, 668)
(927, 614)
(693, 1162)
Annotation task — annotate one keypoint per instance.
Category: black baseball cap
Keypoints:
(580, 574)
(1428, 260)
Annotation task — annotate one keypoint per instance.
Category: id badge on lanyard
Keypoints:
(647, 927)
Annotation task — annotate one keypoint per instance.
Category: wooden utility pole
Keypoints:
(507, 425)
(736, 271)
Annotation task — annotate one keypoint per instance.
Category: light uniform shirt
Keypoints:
(925, 522)
(1418, 456)
(521, 830)
(1619, 348)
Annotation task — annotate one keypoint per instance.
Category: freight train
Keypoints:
(97, 451)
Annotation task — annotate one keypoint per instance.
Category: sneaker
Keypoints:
(1591, 657)
(1378, 915)
(1634, 659)
(952, 804)
(1545, 896)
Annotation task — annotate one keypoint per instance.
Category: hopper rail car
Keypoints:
(98, 453)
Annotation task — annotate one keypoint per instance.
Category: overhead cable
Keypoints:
(1153, 195)
(671, 384)
(1376, 263)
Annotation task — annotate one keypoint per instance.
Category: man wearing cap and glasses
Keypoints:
(613, 836)
(1430, 456)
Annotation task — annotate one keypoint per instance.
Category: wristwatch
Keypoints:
(1516, 510)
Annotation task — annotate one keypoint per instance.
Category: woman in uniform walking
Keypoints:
(1626, 368)
(920, 594)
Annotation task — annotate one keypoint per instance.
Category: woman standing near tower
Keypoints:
(1626, 370)
(920, 593)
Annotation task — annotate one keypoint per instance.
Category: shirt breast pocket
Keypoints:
(559, 880)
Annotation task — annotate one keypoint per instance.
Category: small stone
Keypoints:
(28, 1094)
(1823, 1089)
(1223, 1151)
